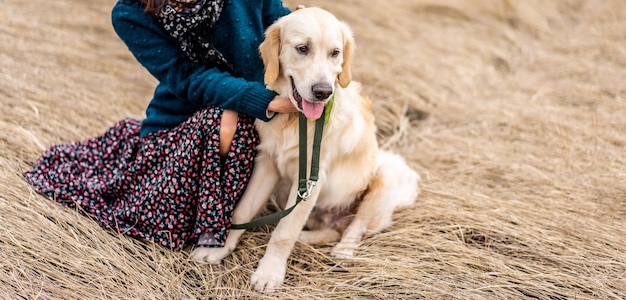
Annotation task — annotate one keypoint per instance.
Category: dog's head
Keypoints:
(305, 54)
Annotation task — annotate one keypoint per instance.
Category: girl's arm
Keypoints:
(272, 10)
(203, 85)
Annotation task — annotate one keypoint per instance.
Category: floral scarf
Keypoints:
(192, 24)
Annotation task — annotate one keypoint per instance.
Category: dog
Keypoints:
(307, 56)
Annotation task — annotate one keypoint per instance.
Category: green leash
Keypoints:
(305, 186)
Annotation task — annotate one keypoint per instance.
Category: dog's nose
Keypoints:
(322, 91)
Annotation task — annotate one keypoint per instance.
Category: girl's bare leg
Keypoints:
(227, 130)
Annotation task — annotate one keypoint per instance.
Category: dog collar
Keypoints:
(328, 108)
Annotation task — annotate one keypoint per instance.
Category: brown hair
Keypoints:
(152, 6)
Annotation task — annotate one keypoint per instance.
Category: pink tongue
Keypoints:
(312, 110)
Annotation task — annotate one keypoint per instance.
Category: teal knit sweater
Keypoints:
(184, 86)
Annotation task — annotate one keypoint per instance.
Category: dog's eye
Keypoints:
(302, 49)
(335, 53)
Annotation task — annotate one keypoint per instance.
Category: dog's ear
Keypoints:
(270, 49)
(348, 48)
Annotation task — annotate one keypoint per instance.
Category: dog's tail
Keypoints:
(401, 181)
(395, 185)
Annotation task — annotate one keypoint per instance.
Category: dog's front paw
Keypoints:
(269, 275)
(343, 251)
(210, 255)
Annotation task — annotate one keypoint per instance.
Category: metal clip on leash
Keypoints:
(309, 187)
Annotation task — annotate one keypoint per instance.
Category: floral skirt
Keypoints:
(169, 187)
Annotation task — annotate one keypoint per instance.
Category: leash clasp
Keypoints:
(309, 187)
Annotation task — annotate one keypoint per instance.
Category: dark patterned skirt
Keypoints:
(169, 187)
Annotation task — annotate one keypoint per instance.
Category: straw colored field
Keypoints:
(514, 113)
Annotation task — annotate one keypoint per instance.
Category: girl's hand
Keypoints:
(281, 105)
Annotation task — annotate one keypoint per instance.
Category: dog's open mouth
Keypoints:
(311, 110)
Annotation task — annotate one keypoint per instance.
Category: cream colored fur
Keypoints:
(359, 185)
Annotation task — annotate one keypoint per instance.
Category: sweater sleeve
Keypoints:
(202, 85)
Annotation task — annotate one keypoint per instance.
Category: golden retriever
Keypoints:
(307, 55)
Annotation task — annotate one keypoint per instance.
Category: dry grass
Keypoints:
(513, 111)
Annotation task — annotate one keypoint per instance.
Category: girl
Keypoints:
(174, 177)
